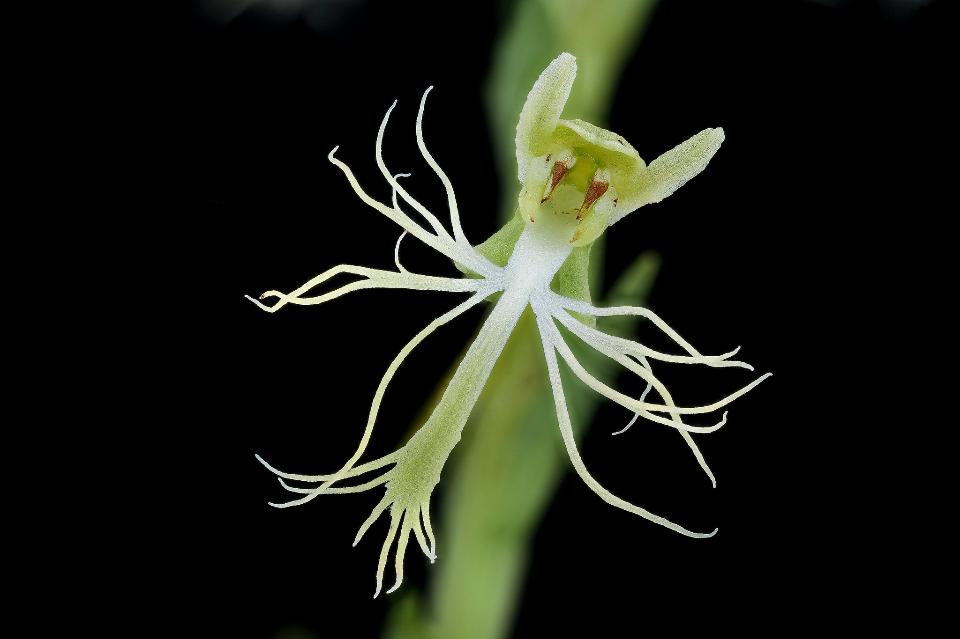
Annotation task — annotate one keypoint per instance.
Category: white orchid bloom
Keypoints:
(577, 180)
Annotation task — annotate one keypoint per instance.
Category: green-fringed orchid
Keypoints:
(576, 180)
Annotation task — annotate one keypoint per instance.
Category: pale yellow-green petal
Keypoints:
(669, 172)
(542, 110)
(609, 149)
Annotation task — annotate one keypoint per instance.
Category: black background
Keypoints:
(778, 247)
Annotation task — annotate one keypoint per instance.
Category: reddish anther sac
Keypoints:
(594, 192)
(559, 170)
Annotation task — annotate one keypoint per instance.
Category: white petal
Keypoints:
(542, 110)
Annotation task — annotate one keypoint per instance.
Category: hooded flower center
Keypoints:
(568, 183)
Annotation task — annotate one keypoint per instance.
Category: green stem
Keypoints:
(501, 477)
(505, 473)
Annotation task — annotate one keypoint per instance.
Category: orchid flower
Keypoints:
(577, 179)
